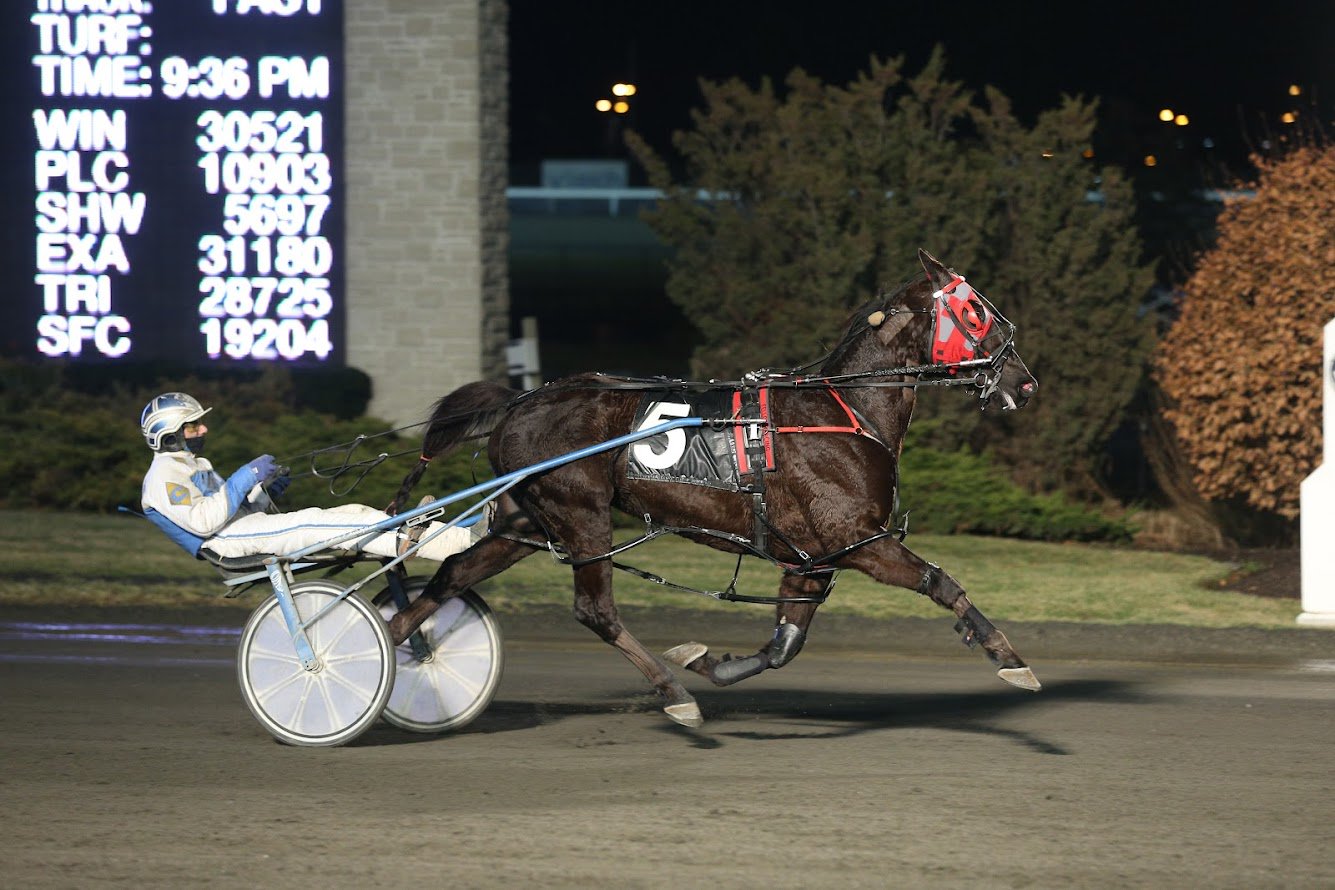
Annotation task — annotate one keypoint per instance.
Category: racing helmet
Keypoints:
(164, 416)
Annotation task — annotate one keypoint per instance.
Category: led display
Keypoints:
(179, 194)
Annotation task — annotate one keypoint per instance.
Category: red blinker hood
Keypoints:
(962, 322)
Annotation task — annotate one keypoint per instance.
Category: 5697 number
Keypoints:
(267, 214)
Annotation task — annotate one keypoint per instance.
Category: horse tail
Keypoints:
(470, 412)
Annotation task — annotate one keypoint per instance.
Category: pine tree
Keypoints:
(1063, 262)
(816, 198)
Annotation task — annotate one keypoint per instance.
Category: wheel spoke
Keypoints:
(268, 692)
(349, 622)
(298, 718)
(332, 679)
(463, 614)
(469, 685)
(415, 680)
(352, 657)
(275, 654)
(451, 653)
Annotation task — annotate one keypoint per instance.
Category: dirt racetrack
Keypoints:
(884, 756)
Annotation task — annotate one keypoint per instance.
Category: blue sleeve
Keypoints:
(186, 541)
(238, 488)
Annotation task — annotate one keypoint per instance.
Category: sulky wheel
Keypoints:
(346, 692)
(458, 676)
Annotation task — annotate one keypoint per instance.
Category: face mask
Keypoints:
(194, 445)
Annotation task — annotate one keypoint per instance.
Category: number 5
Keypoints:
(674, 441)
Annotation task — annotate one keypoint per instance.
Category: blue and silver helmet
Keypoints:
(165, 415)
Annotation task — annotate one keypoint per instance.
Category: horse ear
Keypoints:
(937, 274)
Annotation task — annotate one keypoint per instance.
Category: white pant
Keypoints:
(286, 533)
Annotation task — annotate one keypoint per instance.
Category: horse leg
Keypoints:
(490, 556)
(975, 628)
(596, 610)
(890, 562)
(790, 632)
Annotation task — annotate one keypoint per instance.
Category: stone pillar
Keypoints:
(427, 166)
(1317, 495)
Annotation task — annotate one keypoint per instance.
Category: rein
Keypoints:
(986, 370)
(347, 464)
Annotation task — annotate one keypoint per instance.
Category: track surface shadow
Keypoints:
(780, 715)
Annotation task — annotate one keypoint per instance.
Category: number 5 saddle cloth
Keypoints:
(717, 455)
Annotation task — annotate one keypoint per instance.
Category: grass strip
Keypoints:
(87, 559)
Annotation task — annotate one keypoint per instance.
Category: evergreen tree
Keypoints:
(1062, 261)
(814, 199)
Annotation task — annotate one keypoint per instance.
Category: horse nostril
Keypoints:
(1028, 388)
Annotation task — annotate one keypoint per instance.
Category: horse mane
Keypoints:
(857, 323)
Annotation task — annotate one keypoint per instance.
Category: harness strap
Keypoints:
(752, 434)
(855, 423)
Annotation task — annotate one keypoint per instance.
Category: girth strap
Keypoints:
(753, 436)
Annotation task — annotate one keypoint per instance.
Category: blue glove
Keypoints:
(280, 484)
(264, 467)
(241, 483)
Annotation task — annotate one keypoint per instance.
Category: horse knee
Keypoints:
(787, 642)
(608, 628)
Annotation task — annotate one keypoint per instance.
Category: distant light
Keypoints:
(1207, 142)
(623, 89)
(1181, 120)
(1087, 153)
(1151, 160)
(1288, 117)
(603, 105)
(621, 107)
(1295, 90)
(1047, 153)
(1166, 115)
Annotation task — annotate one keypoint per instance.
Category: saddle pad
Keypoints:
(696, 455)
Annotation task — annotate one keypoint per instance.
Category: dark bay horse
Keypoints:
(834, 438)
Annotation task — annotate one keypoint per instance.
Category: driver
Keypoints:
(197, 508)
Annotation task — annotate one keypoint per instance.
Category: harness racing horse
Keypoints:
(835, 439)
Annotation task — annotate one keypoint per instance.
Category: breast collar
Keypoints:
(755, 439)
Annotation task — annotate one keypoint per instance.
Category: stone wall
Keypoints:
(427, 165)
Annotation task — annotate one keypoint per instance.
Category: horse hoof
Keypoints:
(1022, 677)
(686, 713)
(683, 655)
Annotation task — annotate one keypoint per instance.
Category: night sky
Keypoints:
(1229, 70)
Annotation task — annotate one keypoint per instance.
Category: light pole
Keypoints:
(615, 108)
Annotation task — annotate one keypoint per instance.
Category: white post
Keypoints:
(522, 355)
(1317, 501)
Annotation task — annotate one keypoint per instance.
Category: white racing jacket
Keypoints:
(187, 499)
